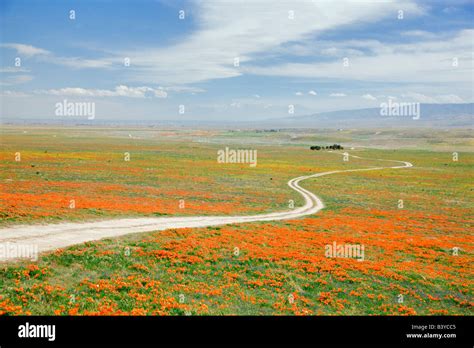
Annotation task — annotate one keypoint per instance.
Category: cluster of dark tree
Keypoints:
(330, 147)
(267, 130)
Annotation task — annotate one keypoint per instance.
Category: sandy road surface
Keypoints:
(54, 236)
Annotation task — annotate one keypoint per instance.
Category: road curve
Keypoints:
(54, 236)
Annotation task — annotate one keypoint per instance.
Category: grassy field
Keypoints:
(418, 258)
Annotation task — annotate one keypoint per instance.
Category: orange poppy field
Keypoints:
(415, 225)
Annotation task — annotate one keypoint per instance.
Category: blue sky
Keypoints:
(289, 52)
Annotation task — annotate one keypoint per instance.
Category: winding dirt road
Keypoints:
(54, 236)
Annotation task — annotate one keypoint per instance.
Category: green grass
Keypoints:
(408, 251)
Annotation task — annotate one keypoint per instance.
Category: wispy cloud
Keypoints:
(14, 94)
(26, 50)
(369, 97)
(227, 30)
(15, 80)
(449, 60)
(119, 91)
(279, 54)
(222, 35)
(81, 63)
(437, 99)
(44, 55)
(184, 89)
(13, 70)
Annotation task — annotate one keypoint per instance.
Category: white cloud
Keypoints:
(369, 97)
(12, 70)
(423, 61)
(312, 93)
(439, 99)
(229, 29)
(26, 50)
(47, 56)
(450, 98)
(80, 63)
(13, 94)
(299, 94)
(420, 34)
(419, 97)
(15, 80)
(337, 95)
(183, 89)
(119, 91)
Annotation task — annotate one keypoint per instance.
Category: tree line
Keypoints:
(330, 147)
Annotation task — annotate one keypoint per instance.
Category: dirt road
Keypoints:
(54, 236)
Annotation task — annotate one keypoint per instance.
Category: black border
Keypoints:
(242, 330)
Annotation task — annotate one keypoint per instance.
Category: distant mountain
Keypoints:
(428, 116)
(393, 115)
